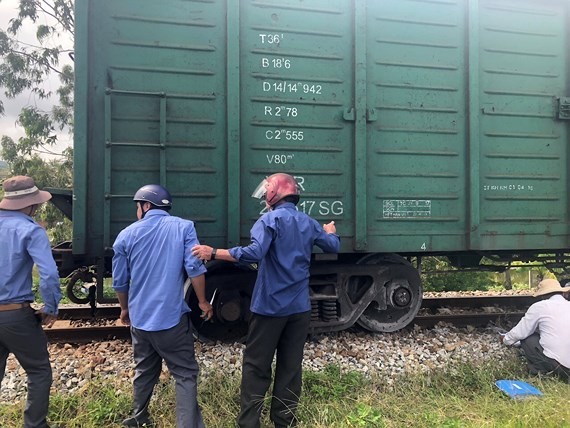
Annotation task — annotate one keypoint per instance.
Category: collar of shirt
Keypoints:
(9, 213)
(289, 205)
(154, 212)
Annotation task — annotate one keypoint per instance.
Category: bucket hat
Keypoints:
(21, 192)
(547, 286)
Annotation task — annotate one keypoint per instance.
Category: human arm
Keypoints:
(204, 252)
(327, 239)
(261, 237)
(195, 270)
(124, 302)
(50, 288)
(525, 327)
(39, 250)
(121, 279)
(199, 285)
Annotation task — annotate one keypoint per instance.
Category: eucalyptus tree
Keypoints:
(26, 63)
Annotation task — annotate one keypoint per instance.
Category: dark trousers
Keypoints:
(537, 362)
(268, 336)
(176, 346)
(22, 335)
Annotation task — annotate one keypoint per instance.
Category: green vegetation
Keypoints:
(439, 275)
(108, 291)
(4, 172)
(24, 67)
(460, 398)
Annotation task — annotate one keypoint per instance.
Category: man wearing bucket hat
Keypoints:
(543, 331)
(24, 243)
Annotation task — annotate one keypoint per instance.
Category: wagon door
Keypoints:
(519, 66)
(416, 125)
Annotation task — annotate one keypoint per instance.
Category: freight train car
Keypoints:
(420, 127)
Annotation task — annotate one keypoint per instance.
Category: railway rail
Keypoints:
(77, 324)
(460, 311)
(479, 319)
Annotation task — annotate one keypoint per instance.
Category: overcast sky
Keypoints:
(8, 126)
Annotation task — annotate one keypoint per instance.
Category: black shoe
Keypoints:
(134, 422)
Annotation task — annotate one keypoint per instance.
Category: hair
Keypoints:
(152, 206)
(291, 198)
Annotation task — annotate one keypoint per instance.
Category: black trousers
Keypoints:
(176, 346)
(269, 336)
(22, 335)
(537, 362)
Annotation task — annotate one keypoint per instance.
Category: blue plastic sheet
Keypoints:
(517, 389)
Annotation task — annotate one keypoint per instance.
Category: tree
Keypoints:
(24, 67)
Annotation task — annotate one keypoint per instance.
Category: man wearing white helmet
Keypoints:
(281, 243)
(543, 331)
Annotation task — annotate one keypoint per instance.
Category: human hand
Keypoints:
(207, 310)
(202, 252)
(501, 337)
(46, 319)
(329, 227)
(124, 317)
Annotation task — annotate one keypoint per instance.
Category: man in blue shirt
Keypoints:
(24, 243)
(281, 243)
(151, 260)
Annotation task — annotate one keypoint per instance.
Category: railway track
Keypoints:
(482, 319)
(473, 311)
(77, 324)
(60, 333)
(433, 303)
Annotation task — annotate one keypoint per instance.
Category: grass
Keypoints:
(462, 397)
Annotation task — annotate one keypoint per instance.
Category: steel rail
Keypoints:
(87, 334)
(479, 319)
(84, 334)
(478, 301)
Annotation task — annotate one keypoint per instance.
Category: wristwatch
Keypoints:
(214, 250)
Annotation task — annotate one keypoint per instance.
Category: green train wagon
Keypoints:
(420, 127)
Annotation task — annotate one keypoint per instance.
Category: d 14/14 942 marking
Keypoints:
(286, 87)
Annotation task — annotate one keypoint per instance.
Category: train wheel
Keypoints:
(398, 302)
(78, 286)
(230, 288)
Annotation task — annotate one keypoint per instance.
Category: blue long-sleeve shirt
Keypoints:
(24, 243)
(281, 243)
(151, 260)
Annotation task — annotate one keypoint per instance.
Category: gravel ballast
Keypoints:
(389, 355)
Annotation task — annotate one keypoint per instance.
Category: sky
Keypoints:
(8, 126)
